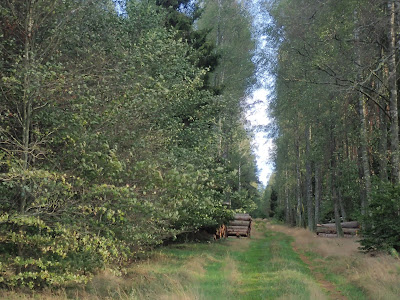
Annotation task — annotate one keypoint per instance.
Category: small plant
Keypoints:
(394, 253)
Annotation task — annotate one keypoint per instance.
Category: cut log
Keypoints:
(352, 231)
(239, 223)
(230, 231)
(352, 224)
(332, 235)
(242, 218)
(220, 232)
(245, 233)
(238, 228)
(241, 214)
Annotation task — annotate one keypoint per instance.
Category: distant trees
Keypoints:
(335, 107)
(110, 136)
(229, 27)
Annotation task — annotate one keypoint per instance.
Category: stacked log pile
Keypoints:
(350, 229)
(240, 226)
(220, 233)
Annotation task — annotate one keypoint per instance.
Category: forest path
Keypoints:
(273, 264)
(269, 265)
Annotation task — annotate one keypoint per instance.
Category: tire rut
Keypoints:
(332, 291)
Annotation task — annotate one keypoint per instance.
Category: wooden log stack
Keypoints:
(220, 232)
(240, 226)
(350, 229)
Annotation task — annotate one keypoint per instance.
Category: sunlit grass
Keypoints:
(272, 270)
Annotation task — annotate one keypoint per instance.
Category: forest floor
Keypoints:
(277, 262)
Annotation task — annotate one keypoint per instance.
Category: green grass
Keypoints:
(263, 267)
(266, 268)
(271, 269)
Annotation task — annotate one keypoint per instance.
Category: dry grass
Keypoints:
(378, 276)
(46, 295)
(178, 285)
(315, 291)
(146, 280)
(325, 247)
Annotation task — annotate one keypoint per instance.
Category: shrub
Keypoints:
(382, 230)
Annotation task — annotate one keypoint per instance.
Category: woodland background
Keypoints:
(335, 112)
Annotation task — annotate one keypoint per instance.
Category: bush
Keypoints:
(382, 230)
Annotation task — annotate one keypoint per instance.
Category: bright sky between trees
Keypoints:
(258, 101)
(263, 145)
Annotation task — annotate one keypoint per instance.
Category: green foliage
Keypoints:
(228, 23)
(110, 143)
(39, 254)
(383, 222)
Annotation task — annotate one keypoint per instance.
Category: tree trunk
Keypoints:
(383, 113)
(362, 114)
(392, 83)
(299, 208)
(341, 205)
(318, 191)
(366, 177)
(239, 175)
(287, 206)
(336, 202)
(337, 215)
(333, 172)
(310, 212)
(383, 160)
(26, 100)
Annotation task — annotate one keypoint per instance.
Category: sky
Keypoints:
(257, 102)
(257, 115)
